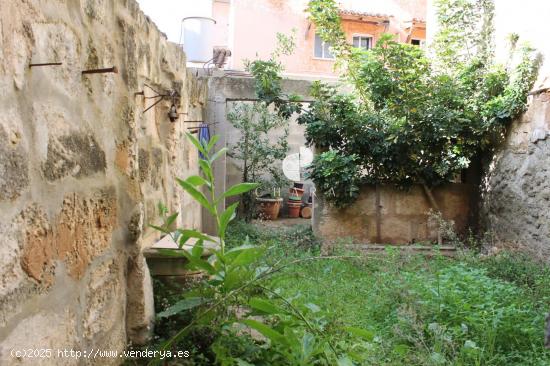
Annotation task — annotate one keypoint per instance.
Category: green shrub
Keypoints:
(233, 292)
(522, 270)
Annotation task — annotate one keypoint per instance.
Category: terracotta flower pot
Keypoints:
(294, 208)
(295, 198)
(306, 212)
(296, 192)
(269, 207)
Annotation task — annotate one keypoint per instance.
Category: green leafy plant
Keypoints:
(468, 310)
(233, 290)
(337, 176)
(257, 150)
(267, 78)
(392, 310)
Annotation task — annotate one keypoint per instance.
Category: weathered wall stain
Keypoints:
(77, 155)
(14, 175)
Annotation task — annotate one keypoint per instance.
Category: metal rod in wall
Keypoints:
(101, 71)
(152, 105)
(46, 64)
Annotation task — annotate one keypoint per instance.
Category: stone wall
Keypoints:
(516, 199)
(385, 215)
(82, 170)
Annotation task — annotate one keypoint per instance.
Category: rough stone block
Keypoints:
(14, 170)
(140, 315)
(80, 232)
(104, 315)
(43, 330)
(77, 155)
(57, 42)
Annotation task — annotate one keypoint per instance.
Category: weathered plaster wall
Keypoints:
(516, 200)
(385, 215)
(82, 170)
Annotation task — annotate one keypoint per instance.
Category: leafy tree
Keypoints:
(268, 80)
(413, 118)
(256, 149)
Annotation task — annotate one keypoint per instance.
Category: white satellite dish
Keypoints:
(294, 164)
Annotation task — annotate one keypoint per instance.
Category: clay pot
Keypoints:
(269, 207)
(296, 192)
(306, 212)
(295, 199)
(294, 208)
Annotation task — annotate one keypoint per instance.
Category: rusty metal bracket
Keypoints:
(173, 94)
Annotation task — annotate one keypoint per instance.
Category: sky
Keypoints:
(167, 14)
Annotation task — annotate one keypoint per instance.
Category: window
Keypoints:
(322, 49)
(364, 42)
(418, 42)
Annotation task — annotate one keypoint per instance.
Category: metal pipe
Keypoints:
(101, 71)
(151, 106)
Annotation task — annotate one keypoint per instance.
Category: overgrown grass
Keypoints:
(465, 311)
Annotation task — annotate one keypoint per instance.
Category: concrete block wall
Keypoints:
(386, 215)
(82, 170)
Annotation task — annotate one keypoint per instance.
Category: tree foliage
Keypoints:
(257, 150)
(267, 77)
(413, 117)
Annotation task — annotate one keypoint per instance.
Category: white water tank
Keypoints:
(198, 38)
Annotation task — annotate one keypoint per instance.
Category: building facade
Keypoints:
(249, 27)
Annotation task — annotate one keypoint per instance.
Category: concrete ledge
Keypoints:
(162, 264)
(445, 250)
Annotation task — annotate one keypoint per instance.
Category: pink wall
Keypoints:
(249, 28)
(221, 13)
